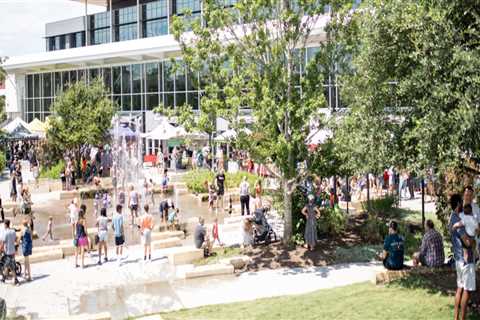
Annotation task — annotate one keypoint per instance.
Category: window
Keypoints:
(126, 32)
(127, 15)
(168, 76)
(101, 36)
(126, 77)
(36, 85)
(155, 28)
(182, 6)
(66, 80)
(117, 80)
(50, 43)
(180, 77)
(100, 20)
(79, 39)
(136, 78)
(154, 10)
(47, 84)
(30, 86)
(151, 74)
(155, 16)
(58, 83)
(152, 101)
(107, 79)
(73, 76)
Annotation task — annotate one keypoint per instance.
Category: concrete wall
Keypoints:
(65, 26)
(14, 92)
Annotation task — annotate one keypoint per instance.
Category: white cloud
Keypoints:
(22, 22)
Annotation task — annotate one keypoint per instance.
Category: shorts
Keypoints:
(102, 235)
(220, 192)
(83, 242)
(147, 237)
(465, 275)
(10, 262)
(134, 207)
(119, 240)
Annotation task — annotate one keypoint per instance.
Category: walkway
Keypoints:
(136, 288)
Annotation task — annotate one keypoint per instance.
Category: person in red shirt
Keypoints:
(386, 178)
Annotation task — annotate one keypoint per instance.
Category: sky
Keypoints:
(22, 22)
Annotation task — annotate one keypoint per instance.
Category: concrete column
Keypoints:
(87, 35)
(111, 20)
(139, 26)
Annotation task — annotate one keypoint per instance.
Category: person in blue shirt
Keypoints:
(393, 248)
(466, 280)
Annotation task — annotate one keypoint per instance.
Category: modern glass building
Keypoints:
(129, 46)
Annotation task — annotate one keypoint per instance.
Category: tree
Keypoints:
(82, 115)
(413, 86)
(3, 75)
(256, 65)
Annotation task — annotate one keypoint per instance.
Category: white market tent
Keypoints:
(18, 129)
(166, 131)
(230, 135)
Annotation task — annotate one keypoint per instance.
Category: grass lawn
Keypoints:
(359, 301)
(225, 252)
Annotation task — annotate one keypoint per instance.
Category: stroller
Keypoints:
(262, 232)
(18, 266)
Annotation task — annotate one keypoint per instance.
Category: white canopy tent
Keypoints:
(230, 135)
(166, 131)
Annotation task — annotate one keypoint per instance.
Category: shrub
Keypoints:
(3, 161)
(359, 253)
(195, 180)
(52, 172)
(373, 230)
(332, 221)
(385, 207)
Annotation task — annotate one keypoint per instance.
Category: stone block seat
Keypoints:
(385, 276)
(209, 270)
(183, 254)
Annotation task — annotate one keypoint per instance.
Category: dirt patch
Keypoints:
(278, 255)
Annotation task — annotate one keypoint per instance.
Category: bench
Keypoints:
(166, 243)
(184, 255)
(209, 270)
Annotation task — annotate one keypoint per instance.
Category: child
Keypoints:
(165, 181)
(146, 227)
(106, 201)
(215, 233)
(121, 198)
(173, 217)
(27, 249)
(471, 225)
(49, 231)
(96, 204)
(211, 195)
(247, 233)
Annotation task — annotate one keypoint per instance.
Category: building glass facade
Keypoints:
(139, 87)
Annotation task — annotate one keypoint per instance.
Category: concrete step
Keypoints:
(56, 254)
(209, 270)
(166, 243)
(167, 234)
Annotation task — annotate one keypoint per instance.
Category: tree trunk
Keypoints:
(287, 215)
